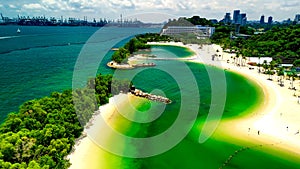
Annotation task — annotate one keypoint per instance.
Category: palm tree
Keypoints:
(291, 76)
(280, 73)
(244, 60)
(271, 69)
(265, 65)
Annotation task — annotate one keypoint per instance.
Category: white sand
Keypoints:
(87, 153)
(277, 120)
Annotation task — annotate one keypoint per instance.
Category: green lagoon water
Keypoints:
(42, 60)
(243, 96)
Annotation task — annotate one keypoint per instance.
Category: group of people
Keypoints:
(287, 129)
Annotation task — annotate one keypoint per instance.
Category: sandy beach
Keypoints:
(275, 124)
(87, 152)
(81, 157)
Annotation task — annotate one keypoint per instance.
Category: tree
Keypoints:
(121, 55)
(296, 63)
(131, 46)
(265, 65)
(280, 73)
(271, 69)
(33, 165)
(291, 76)
(196, 20)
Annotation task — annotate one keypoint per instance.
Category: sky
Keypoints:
(150, 10)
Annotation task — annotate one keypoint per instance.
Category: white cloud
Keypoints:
(290, 3)
(122, 3)
(33, 6)
(12, 6)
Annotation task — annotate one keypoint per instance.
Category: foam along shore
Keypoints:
(275, 123)
(87, 154)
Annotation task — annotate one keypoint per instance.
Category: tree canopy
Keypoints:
(197, 20)
(44, 130)
(137, 43)
(279, 43)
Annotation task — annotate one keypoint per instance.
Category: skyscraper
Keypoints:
(297, 18)
(227, 18)
(262, 19)
(270, 20)
(236, 14)
(242, 19)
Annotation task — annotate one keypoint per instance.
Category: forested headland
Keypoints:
(280, 43)
(44, 130)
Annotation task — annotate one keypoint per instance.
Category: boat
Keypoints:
(18, 31)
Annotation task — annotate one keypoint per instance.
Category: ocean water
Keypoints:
(41, 60)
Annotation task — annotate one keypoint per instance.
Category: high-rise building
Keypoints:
(236, 14)
(242, 19)
(270, 20)
(262, 19)
(297, 18)
(227, 18)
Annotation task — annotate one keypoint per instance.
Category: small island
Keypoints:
(126, 57)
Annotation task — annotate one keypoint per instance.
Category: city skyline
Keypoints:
(211, 9)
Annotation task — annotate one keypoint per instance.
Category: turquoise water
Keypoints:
(41, 60)
(170, 51)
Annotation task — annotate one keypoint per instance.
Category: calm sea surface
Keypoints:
(41, 60)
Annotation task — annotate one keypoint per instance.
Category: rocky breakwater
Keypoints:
(149, 96)
(116, 65)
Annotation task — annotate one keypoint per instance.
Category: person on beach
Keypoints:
(258, 132)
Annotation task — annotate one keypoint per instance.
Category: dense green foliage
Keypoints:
(222, 35)
(44, 130)
(297, 63)
(278, 43)
(121, 55)
(275, 43)
(196, 20)
(137, 43)
(153, 37)
(41, 134)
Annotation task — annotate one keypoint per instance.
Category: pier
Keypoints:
(149, 96)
